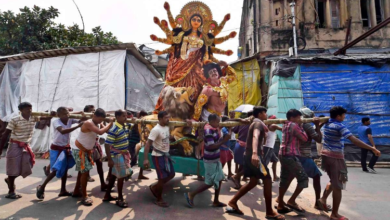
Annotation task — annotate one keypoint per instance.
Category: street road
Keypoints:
(367, 198)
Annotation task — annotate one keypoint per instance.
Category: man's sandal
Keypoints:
(13, 196)
(87, 201)
(40, 194)
(122, 204)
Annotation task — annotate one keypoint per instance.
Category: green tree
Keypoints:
(34, 29)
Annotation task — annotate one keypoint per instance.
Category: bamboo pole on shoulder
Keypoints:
(181, 123)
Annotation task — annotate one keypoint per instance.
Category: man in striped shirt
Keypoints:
(292, 137)
(20, 158)
(213, 167)
(333, 161)
(118, 156)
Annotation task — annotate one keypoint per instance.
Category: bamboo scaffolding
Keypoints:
(180, 123)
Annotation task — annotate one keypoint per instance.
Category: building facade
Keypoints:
(266, 26)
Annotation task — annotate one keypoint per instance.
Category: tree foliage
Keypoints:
(34, 29)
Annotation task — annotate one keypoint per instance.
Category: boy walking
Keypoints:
(61, 158)
(83, 155)
(159, 139)
(212, 164)
(118, 157)
(20, 158)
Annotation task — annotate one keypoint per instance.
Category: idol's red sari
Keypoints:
(184, 73)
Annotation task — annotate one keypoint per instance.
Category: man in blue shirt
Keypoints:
(365, 135)
(334, 134)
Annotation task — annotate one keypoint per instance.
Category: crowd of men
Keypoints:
(251, 146)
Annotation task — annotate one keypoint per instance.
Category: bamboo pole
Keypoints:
(181, 123)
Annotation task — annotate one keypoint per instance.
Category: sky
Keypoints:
(132, 20)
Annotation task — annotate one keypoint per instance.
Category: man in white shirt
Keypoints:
(159, 138)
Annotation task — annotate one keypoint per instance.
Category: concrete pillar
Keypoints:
(285, 12)
(272, 14)
(328, 17)
(372, 13)
(309, 9)
(343, 15)
(386, 7)
(299, 12)
(265, 36)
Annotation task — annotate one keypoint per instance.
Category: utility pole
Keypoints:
(292, 5)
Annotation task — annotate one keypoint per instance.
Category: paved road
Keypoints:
(367, 197)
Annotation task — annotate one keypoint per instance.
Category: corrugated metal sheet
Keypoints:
(362, 89)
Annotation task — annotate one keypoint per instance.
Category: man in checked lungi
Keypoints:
(20, 158)
(118, 157)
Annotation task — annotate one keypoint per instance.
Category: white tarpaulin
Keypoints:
(10, 89)
(76, 80)
(142, 87)
(72, 81)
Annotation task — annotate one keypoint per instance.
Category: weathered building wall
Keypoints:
(275, 28)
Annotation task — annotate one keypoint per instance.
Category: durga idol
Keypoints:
(193, 42)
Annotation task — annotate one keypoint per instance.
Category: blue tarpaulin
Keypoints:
(362, 89)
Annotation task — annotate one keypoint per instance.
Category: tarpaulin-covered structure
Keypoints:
(246, 89)
(360, 84)
(111, 77)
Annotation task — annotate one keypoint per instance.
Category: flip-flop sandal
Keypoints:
(285, 210)
(66, 194)
(6, 181)
(278, 217)
(162, 204)
(112, 198)
(40, 195)
(296, 209)
(13, 196)
(231, 210)
(189, 202)
(151, 190)
(219, 205)
(87, 201)
(321, 206)
(69, 176)
(122, 204)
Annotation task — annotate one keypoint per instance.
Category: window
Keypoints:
(335, 13)
(322, 13)
(247, 50)
(277, 23)
(366, 11)
(277, 11)
(364, 7)
(321, 18)
(378, 11)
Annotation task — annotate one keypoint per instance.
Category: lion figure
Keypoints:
(177, 103)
